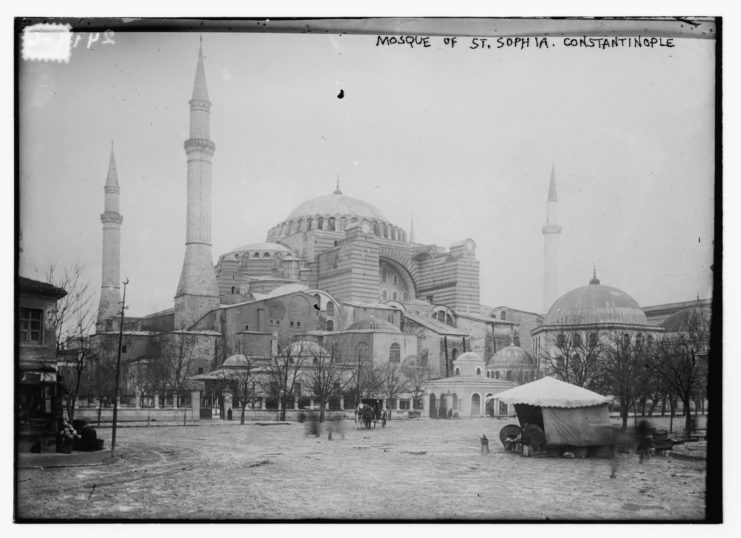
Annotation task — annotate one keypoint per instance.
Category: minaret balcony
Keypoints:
(552, 229)
(200, 104)
(111, 217)
(199, 144)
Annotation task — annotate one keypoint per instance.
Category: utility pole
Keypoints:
(118, 371)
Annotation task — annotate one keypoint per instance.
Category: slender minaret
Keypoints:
(198, 292)
(110, 291)
(551, 231)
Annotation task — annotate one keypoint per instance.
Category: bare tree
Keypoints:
(241, 381)
(177, 353)
(573, 358)
(282, 374)
(73, 370)
(623, 373)
(394, 382)
(368, 382)
(102, 374)
(328, 377)
(74, 316)
(680, 360)
(417, 373)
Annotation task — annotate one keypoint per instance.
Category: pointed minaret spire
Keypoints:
(110, 295)
(551, 232)
(411, 230)
(200, 89)
(552, 194)
(337, 190)
(197, 292)
(112, 179)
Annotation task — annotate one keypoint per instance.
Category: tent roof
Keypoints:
(550, 392)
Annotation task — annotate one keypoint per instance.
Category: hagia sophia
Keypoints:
(335, 273)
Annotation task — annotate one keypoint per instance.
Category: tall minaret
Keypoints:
(551, 231)
(110, 291)
(197, 292)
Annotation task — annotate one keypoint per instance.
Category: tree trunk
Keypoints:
(241, 416)
(624, 417)
(321, 411)
(284, 403)
(100, 409)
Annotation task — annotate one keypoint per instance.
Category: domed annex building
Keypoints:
(586, 319)
(512, 363)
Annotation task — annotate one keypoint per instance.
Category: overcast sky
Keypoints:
(462, 139)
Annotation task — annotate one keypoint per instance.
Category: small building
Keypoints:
(38, 394)
(467, 392)
(512, 363)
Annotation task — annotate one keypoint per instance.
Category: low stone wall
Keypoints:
(662, 423)
(131, 414)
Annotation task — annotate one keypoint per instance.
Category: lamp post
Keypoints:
(118, 371)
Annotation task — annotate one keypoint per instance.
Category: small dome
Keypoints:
(262, 247)
(595, 304)
(235, 361)
(469, 364)
(512, 356)
(468, 356)
(306, 348)
(336, 204)
(373, 325)
(688, 319)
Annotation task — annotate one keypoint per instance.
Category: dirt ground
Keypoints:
(412, 469)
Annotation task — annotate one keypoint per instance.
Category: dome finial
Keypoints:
(594, 279)
(337, 190)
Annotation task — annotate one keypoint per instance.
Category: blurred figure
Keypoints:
(334, 425)
(312, 424)
(643, 439)
(484, 444)
(383, 419)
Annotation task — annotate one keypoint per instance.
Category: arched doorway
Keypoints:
(454, 402)
(489, 405)
(442, 411)
(475, 405)
(433, 406)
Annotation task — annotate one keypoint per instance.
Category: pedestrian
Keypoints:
(229, 414)
(484, 444)
(383, 419)
(643, 439)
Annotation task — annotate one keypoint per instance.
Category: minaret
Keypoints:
(198, 293)
(110, 291)
(551, 231)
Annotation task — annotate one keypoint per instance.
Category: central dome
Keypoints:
(595, 304)
(336, 204)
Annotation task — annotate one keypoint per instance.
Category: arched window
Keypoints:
(626, 340)
(320, 223)
(266, 254)
(503, 315)
(315, 361)
(396, 280)
(394, 353)
(330, 325)
(256, 255)
(455, 353)
(478, 371)
(509, 375)
(577, 340)
(384, 294)
(330, 308)
(395, 295)
(363, 352)
(457, 371)
(405, 296)
(332, 224)
(639, 340)
(383, 275)
(592, 340)
(496, 374)
(561, 340)
(649, 340)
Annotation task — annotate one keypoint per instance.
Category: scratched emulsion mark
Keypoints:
(47, 42)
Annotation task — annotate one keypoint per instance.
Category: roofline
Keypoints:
(598, 326)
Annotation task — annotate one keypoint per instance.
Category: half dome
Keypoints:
(235, 361)
(306, 348)
(595, 304)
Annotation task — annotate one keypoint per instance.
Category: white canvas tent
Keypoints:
(569, 415)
